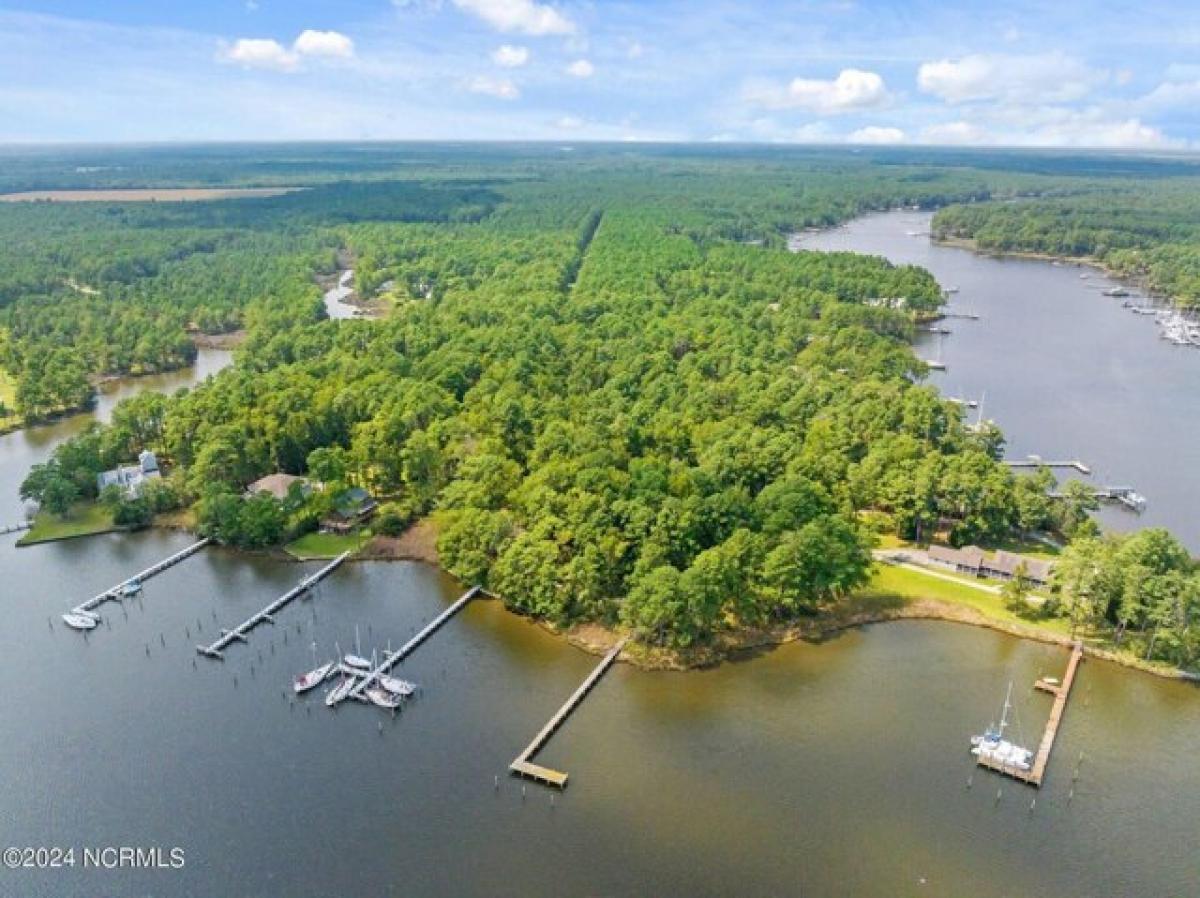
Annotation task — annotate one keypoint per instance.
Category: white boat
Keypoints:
(382, 698)
(357, 663)
(79, 620)
(132, 588)
(339, 692)
(992, 745)
(397, 686)
(314, 677)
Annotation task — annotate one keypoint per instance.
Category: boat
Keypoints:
(380, 697)
(132, 588)
(319, 674)
(992, 746)
(314, 677)
(1116, 291)
(397, 686)
(340, 691)
(356, 660)
(80, 620)
(1132, 500)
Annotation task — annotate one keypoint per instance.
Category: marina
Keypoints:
(215, 650)
(78, 616)
(391, 659)
(523, 765)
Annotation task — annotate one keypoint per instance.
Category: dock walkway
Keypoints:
(239, 632)
(15, 528)
(1060, 691)
(522, 765)
(1035, 462)
(114, 592)
(391, 660)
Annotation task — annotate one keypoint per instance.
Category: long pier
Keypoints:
(521, 765)
(114, 592)
(238, 633)
(391, 660)
(1035, 462)
(1060, 691)
(15, 528)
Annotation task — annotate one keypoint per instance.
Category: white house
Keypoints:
(131, 478)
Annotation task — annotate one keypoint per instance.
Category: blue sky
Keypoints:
(1068, 73)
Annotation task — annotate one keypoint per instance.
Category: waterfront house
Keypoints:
(350, 508)
(130, 479)
(996, 566)
(278, 485)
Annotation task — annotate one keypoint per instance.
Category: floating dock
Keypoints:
(238, 633)
(15, 528)
(391, 660)
(935, 364)
(522, 766)
(1035, 461)
(114, 593)
(1060, 691)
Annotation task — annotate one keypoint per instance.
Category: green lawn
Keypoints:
(325, 545)
(910, 584)
(84, 519)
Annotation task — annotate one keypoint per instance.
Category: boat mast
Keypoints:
(1007, 708)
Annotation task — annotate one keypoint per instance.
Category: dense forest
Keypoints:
(603, 375)
(1148, 230)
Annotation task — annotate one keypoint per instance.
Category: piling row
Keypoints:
(239, 632)
(521, 765)
(15, 528)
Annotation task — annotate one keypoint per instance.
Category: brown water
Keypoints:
(838, 769)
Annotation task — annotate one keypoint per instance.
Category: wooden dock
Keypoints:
(391, 660)
(1035, 462)
(1060, 691)
(521, 765)
(238, 633)
(114, 593)
(15, 528)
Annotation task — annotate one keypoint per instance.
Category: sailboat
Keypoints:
(340, 691)
(80, 620)
(314, 677)
(992, 745)
(356, 660)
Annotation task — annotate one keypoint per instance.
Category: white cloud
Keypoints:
(1055, 127)
(324, 43)
(1045, 78)
(569, 123)
(510, 57)
(581, 68)
(267, 53)
(1172, 95)
(522, 16)
(875, 134)
(852, 89)
(502, 88)
(260, 53)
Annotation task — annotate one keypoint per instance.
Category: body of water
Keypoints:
(22, 449)
(838, 769)
(1065, 371)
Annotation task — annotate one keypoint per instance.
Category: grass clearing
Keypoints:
(912, 585)
(84, 519)
(315, 546)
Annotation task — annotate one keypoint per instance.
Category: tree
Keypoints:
(58, 494)
(1015, 590)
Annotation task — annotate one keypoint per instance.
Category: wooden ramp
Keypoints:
(1060, 691)
(522, 766)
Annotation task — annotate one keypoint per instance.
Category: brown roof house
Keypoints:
(997, 566)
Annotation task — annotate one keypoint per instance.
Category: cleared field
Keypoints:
(144, 195)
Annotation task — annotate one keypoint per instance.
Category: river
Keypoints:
(22, 449)
(838, 769)
(1066, 372)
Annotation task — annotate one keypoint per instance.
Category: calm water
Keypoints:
(20, 450)
(1067, 372)
(818, 770)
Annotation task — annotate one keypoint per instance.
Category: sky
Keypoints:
(1050, 73)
